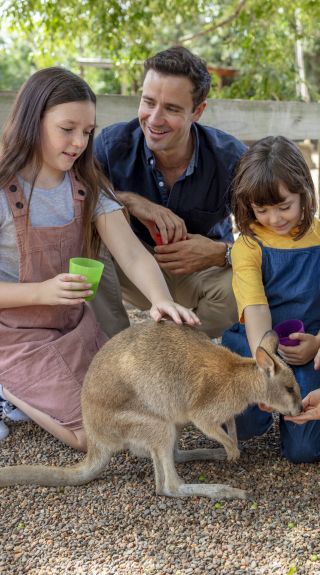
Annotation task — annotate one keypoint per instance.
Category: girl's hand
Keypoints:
(311, 409)
(63, 289)
(174, 311)
(302, 353)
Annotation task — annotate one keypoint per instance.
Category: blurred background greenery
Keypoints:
(255, 49)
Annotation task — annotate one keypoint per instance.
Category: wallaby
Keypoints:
(151, 379)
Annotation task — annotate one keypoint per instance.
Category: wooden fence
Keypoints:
(247, 120)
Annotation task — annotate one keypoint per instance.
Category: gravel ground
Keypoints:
(117, 525)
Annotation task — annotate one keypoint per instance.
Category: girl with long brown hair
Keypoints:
(55, 204)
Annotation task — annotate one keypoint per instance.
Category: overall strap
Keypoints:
(16, 200)
(79, 194)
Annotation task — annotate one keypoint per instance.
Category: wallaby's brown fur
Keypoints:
(151, 379)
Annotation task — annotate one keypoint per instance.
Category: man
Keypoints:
(173, 175)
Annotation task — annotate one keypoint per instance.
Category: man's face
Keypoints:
(166, 112)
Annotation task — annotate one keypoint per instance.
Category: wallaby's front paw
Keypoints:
(233, 455)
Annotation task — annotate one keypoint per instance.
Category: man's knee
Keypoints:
(217, 289)
(216, 305)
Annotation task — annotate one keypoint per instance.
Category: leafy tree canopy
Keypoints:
(257, 37)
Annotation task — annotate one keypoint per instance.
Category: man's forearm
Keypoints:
(128, 199)
(211, 252)
(221, 250)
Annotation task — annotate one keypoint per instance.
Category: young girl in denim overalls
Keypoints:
(55, 204)
(276, 263)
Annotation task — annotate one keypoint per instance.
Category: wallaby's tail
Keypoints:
(83, 472)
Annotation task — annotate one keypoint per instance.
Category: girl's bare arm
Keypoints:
(140, 267)
(257, 321)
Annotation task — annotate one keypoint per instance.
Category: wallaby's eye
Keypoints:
(289, 389)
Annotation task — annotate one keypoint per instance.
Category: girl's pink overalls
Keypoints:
(45, 350)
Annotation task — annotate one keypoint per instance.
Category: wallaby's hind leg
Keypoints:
(174, 486)
(213, 491)
(199, 454)
(169, 483)
(166, 477)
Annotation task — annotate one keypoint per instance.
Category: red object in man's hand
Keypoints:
(158, 239)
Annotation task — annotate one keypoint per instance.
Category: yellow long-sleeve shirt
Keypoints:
(247, 261)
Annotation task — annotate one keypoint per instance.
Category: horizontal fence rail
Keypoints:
(248, 120)
(245, 119)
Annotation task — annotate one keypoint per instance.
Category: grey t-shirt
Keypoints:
(52, 207)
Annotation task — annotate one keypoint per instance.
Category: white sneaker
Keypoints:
(13, 413)
(4, 430)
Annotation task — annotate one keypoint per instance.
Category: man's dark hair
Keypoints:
(179, 61)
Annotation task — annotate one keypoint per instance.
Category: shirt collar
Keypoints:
(194, 159)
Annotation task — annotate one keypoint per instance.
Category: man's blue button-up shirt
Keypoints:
(201, 196)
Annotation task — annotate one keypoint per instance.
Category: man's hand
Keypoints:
(155, 218)
(302, 353)
(194, 254)
(311, 409)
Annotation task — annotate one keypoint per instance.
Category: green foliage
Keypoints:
(16, 63)
(260, 43)
(257, 37)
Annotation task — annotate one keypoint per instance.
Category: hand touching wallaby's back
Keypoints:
(152, 378)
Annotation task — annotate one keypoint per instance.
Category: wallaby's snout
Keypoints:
(285, 396)
(297, 408)
(283, 392)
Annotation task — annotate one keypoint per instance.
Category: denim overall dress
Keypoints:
(291, 278)
(46, 350)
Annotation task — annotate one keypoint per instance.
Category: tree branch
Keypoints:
(215, 26)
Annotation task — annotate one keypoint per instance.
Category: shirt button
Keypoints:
(19, 205)
(161, 184)
(13, 188)
(151, 162)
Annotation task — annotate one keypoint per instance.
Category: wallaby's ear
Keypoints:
(270, 341)
(265, 361)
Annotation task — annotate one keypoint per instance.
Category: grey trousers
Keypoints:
(208, 292)
(107, 305)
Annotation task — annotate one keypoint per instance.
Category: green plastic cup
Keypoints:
(91, 269)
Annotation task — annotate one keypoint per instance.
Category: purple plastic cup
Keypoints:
(284, 329)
